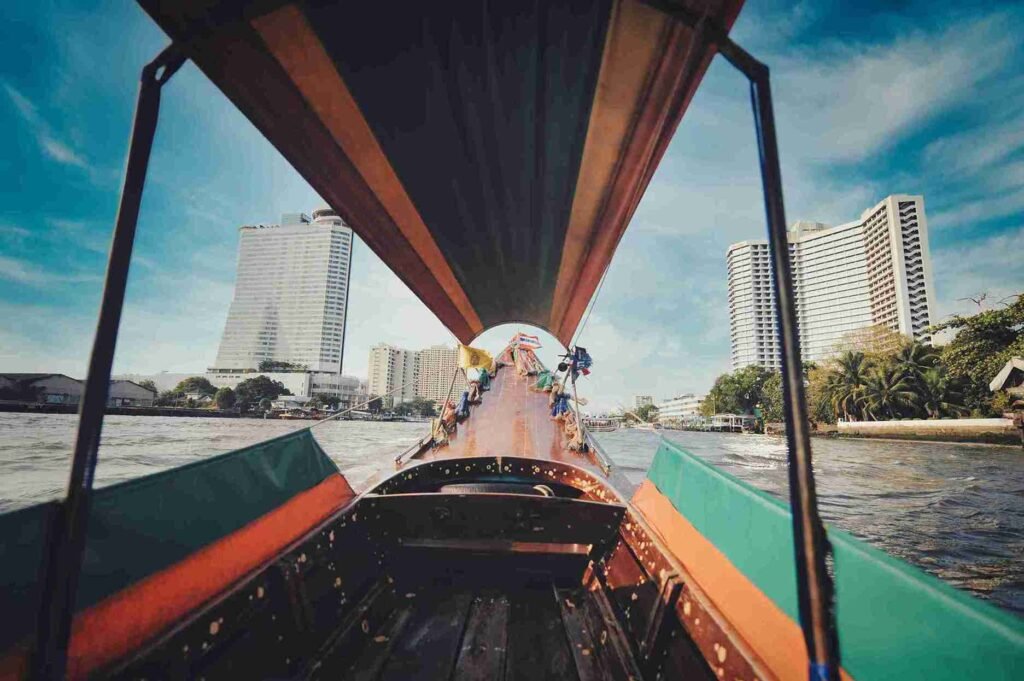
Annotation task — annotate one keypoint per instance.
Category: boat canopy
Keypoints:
(491, 153)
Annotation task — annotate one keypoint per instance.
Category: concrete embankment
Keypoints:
(990, 431)
(121, 411)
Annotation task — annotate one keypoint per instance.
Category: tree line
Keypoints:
(258, 392)
(881, 375)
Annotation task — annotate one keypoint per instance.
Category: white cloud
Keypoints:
(381, 309)
(844, 103)
(976, 148)
(49, 143)
(61, 152)
(970, 213)
(25, 272)
(984, 266)
(15, 231)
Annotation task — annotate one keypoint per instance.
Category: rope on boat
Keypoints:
(447, 416)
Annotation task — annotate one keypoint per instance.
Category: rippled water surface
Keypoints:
(956, 511)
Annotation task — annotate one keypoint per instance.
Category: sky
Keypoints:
(871, 99)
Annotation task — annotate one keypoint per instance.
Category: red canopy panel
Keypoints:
(491, 153)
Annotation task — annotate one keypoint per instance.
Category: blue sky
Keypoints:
(926, 98)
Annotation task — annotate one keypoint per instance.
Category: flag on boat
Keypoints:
(474, 358)
(526, 341)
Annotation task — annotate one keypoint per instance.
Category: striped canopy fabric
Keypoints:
(490, 152)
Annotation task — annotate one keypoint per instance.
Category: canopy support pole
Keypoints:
(810, 543)
(67, 536)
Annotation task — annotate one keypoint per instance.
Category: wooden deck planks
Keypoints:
(485, 643)
(527, 633)
(430, 640)
(537, 645)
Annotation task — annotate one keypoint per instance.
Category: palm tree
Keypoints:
(846, 385)
(913, 359)
(939, 395)
(886, 392)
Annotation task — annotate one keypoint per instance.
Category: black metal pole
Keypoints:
(67, 538)
(810, 543)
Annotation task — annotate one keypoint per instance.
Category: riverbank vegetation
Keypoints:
(879, 375)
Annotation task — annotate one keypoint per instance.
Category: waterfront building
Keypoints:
(46, 388)
(680, 409)
(291, 295)
(392, 374)
(873, 271)
(642, 400)
(298, 383)
(349, 390)
(436, 367)
(129, 394)
(425, 374)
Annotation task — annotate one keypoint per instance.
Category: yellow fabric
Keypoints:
(474, 358)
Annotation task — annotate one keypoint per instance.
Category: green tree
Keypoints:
(736, 393)
(195, 384)
(375, 406)
(886, 392)
(254, 390)
(225, 399)
(984, 342)
(148, 383)
(913, 359)
(819, 393)
(324, 400)
(646, 413)
(939, 395)
(417, 407)
(265, 404)
(846, 386)
(273, 366)
(771, 398)
(167, 398)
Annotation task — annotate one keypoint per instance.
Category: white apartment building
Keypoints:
(426, 374)
(873, 271)
(642, 400)
(291, 295)
(681, 409)
(437, 365)
(392, 374)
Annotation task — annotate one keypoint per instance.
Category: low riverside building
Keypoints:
(1010, 378)
(129, 394)
(297, 382)
(40, 388)
(349, 390)
(682, 409)
(44, 388)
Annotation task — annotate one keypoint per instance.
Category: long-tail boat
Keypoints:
(492, 154)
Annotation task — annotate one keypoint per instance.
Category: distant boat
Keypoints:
(595, 425)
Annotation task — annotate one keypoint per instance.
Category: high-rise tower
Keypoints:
(291, 295)
(874, 271)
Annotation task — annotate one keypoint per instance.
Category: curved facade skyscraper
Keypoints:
(874, 271)
(291, 295)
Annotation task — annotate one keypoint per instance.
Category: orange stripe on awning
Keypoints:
(123, 622)
(641, 96)
(297, 48)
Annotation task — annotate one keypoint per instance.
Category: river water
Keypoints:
(956, 511)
